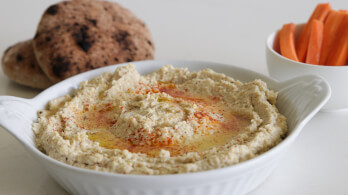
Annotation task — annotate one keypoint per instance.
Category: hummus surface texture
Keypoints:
(167, 122)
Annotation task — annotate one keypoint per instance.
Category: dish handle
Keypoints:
(308, 93)
(16, 114)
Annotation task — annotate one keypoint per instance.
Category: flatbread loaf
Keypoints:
(20, 65)
(77, 36)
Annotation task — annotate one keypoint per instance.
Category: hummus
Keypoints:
(170, 121)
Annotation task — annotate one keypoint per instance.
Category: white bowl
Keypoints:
(299, 100)
(282, 68)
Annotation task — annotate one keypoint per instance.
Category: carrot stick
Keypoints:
(320, 13)
(315, 42)
(340, 57)
(332, 23)
(276, 44)
(339, 52)
(287, 41)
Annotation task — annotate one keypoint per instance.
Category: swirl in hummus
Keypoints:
(170, 121)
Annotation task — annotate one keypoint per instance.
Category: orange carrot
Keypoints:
(287, 41)
(339, 52)
(332, 23)
(276, 44)
(320, 13)
(315, 42)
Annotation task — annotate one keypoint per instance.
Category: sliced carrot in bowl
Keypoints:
(287, 41)
(315, 42)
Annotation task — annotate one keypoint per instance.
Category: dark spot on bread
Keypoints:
(105, 8)
(60, 65)
(76, 24)
(147, 55)
(116, 59)
(94, 22)
(57, 27)
(65, 3)
(19, 58)
(88, 65)
(52, 10)
(81, 37)
(105, 62)
(127, 45)
(149, 42)
(48, 39)
(32, 65)
(128, 60)
(121, 38)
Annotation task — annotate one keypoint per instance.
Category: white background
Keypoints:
(226, 31)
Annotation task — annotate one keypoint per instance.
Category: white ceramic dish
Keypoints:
(299, 100)
(282, 68)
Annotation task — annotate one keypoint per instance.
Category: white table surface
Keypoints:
(232, 32)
